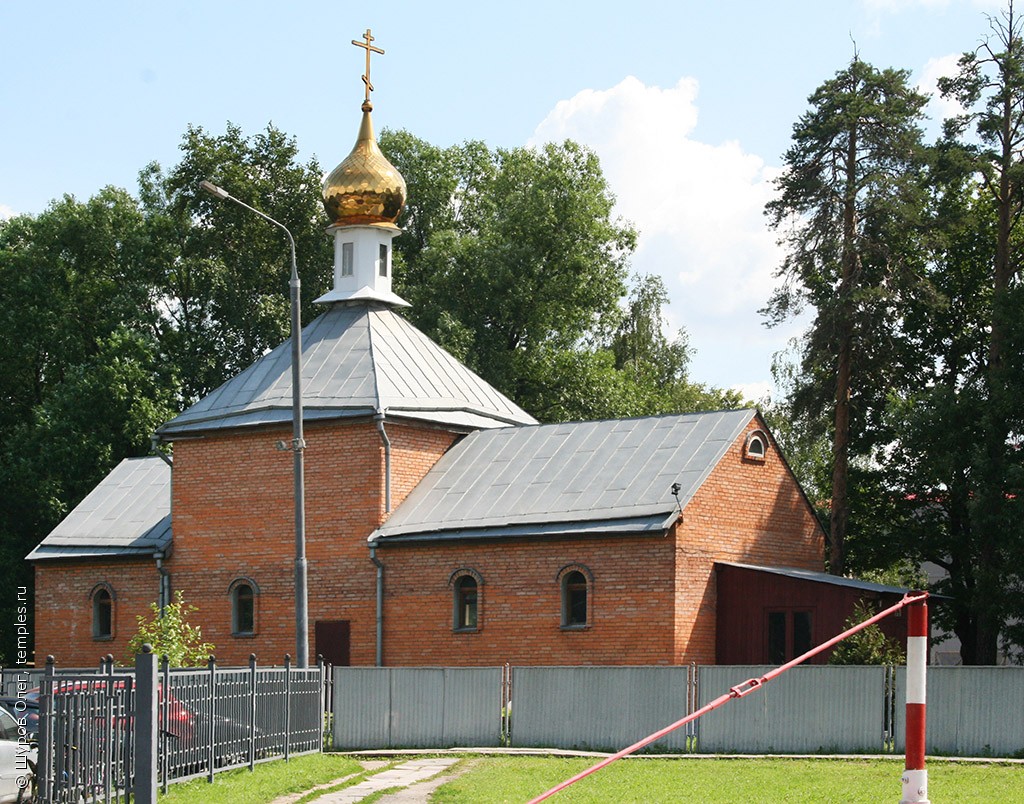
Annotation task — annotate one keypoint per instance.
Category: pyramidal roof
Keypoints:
(358, 359)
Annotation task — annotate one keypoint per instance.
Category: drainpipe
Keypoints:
(154, 443)
(165, 577)
(165, 581)
(380, 603)
(379, 418)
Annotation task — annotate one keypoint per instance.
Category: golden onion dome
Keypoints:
(365, 188)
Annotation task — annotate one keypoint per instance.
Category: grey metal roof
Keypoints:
(578, 477)
(821, 577)
(128, 513)
(357, 359)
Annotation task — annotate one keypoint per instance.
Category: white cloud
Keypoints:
(6, 212)
(939, 108)
(699, 209)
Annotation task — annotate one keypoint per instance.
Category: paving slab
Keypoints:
(405, 775)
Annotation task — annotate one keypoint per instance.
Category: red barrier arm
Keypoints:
(738, 691)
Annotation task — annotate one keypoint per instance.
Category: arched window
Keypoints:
(102, 612)
(575, 582)
(756, 446)
(243, 593)
(466, 585)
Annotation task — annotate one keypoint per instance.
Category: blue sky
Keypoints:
(689, 104)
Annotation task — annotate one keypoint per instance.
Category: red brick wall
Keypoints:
(63, 622)
(519, 604)
(233, 510)
(746, 511)
(653, 599)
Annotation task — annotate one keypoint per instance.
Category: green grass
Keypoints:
(268, 781)
(518, 779)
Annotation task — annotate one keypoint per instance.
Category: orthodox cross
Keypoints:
(369, 48)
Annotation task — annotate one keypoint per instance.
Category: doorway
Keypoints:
(331, 640)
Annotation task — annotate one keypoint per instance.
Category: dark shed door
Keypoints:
(332, 641)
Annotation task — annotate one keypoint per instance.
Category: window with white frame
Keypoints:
(347, 259)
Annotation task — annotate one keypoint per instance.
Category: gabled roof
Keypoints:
(558, 479)
(357, 360)
(128, 513)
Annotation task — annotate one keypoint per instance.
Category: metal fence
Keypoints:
(597, 708)
(972, 711)
(418, 707)
(205, 720)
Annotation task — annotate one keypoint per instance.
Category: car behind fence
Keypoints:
(116, 733)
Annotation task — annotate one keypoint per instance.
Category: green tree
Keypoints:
(82, 376)
(869, 645)
(171, 635)
(516, 253)
(225, 272)
(989, 141)
(117, 312)
(847, 204)
(513, 262)
(656, 366)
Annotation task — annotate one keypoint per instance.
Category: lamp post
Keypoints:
(298, 443)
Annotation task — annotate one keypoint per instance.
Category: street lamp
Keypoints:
(298, 443)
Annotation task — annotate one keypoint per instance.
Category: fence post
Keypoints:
(915, 777)
(107, 668)
(44, 767)
(164, 737)
(145, 727)
(323, 699)
(252, 711)
(287, 705)
(212, 702)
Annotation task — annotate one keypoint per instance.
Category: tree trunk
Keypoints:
(840, 514)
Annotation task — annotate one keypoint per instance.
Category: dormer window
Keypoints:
(347, 259)
(383, 260)
(756, 446)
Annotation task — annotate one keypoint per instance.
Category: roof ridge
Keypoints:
(371, 335)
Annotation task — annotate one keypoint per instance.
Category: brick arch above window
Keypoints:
(243, 579)
(464, 571)
(103, 586)
(575, 568)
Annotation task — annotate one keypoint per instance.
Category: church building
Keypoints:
(443, 524)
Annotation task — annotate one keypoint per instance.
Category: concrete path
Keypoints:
(410, 773)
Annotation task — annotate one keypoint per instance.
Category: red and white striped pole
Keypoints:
(915, 777)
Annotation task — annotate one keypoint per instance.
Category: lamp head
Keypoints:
(214, 190)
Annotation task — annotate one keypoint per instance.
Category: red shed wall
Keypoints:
(748, 595)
